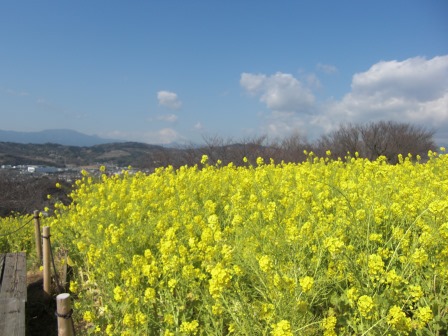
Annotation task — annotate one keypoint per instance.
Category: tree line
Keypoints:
(370, 140)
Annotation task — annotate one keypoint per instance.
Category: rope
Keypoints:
(20, 228)
(67, 317)
(64, 316)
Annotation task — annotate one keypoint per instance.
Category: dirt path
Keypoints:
(39, 316)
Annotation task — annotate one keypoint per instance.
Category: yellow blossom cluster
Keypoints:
(280, 249)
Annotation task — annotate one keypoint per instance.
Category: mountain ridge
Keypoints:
(66, 137)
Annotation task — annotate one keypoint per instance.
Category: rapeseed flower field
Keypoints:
(323, 247)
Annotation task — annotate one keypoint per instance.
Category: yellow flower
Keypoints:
(109, 329)
(250, 236)
(443, 229)
(217, 309)
(220, 280)
(190, 328)
(334, 245)
(73, 286)
(393, 278)
(150, 295)
(352, 296)
(282, 328)
(168, 319)
(141, 318)
(267, 311)
(128, 320)
(415, 291)
(423, 316)
(231, 328)
(266, 264)
(376, 237)
(87, 316)
(118, 294)
(329, 324)
(172, 284)
(306, 283)
(419, 257)
(398, 320)
(376, 265)
(365, 306)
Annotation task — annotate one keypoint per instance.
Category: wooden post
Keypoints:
(37, 236)
(64, 314)
(47, 260)
(64, 270)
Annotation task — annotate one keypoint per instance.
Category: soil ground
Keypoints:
(40, 308)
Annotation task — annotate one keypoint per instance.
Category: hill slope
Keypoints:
(122, 154)
(59, 136)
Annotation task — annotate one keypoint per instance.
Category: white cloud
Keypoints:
(327, 68)
(277, 125)
(167, 135)
(198, 126)
(415, 78)
(12, 92)
(161, 136)
(414, 90)
(279, 92)
(313, 81)
(252, 83)
(169, 99)
(168, 118)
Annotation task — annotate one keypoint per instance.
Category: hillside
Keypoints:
(122, 154)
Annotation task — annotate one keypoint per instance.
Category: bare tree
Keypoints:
(375, 136)
(374, 139)
(216, 148)
(392, 138)
(291, 148)
(346, 139)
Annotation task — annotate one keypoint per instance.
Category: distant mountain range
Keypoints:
(64, 137)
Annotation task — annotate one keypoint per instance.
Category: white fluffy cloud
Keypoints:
(279, 92)
(162, 136)
(414, 79)
(168, 118)
(327, 68)
(169, 99)
(198, 126)
(414, 90)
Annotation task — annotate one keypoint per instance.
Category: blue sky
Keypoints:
(176, 71)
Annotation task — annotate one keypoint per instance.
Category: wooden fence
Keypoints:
(63, 301)
(13, 287)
